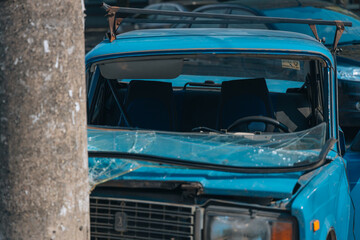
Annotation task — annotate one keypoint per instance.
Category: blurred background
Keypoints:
(96, 24)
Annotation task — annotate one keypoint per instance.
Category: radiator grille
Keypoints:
(140, 220)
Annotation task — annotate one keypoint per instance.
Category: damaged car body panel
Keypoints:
(215, 134)
(331, 181)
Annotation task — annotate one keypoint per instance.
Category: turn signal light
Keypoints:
(315, 225)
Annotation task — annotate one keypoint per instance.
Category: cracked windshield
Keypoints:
(192, 108)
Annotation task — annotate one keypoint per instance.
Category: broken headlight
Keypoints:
(233, 223)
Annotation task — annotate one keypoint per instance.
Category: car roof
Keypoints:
(155, 41)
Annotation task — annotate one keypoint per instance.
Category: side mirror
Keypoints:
(355, 145)
(342, 142)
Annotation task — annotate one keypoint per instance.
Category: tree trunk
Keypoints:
(43, 155)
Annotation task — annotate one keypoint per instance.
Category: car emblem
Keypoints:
(120, 222)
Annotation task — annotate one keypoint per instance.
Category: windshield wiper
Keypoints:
(207, 130)
(217, 167)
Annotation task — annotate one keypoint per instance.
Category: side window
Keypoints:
(216, 11)
(250, 26)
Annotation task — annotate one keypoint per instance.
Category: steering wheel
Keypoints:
(263, 119)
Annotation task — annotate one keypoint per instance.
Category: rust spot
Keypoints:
(339, 31)
(313, 29)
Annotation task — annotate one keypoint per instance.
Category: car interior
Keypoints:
(239, 105)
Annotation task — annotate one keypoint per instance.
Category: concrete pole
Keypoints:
(43, 156)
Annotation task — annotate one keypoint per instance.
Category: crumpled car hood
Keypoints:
(277, 186)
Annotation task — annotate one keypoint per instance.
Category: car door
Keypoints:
(352, 157)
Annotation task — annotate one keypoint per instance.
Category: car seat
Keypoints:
(244, 98)
(149, 105)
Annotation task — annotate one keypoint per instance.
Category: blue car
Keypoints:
(348, 60)
(216, 134)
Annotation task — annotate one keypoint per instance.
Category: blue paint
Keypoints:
(155, 42)
(353, 166)
(348, 69)
(324, 197)
(322, 194)
(327, 13)
(227, 184)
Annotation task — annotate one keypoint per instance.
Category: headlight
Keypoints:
(241, 224)
(348, 73)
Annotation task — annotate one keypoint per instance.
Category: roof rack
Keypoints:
(116, 15)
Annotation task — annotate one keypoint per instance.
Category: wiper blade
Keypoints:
(207, 130)
(216, 167)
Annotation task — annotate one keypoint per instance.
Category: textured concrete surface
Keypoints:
(43, 157)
